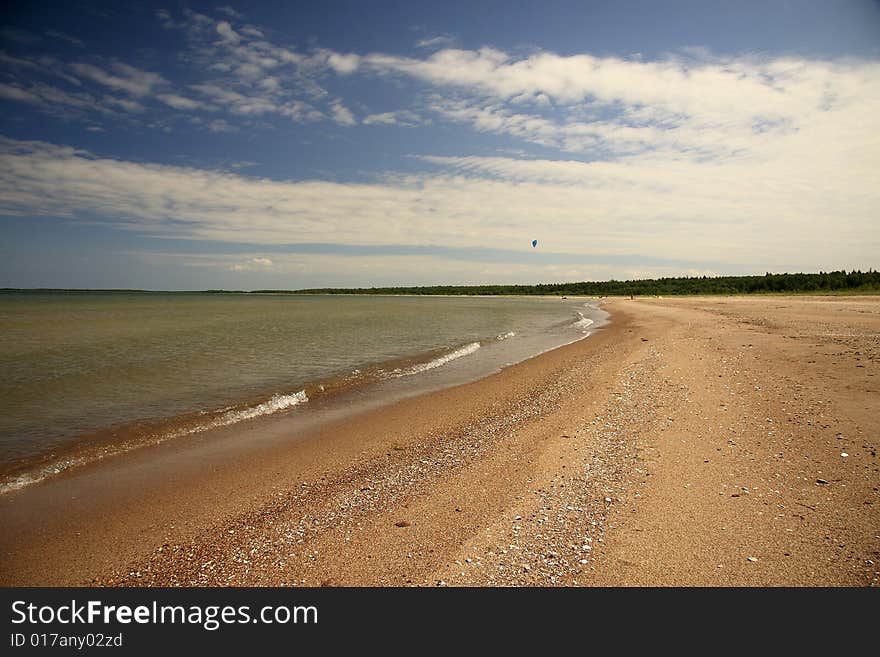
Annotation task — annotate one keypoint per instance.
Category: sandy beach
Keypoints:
(693, 441)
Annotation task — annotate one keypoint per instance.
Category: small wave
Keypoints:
(437, 362)
(504, 336)
(28, 478)
(273, 405)
(583, 323)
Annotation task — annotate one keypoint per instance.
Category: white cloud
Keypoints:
(703, 107)
(124, 103)
(42, 65)
(745, 159)
(244, 73)
(343, 64)
(229, 11)
(165, 17)
(400, 117)
(53, 99)
(252, 264)
(741, 212)
(224, 29)
(236, 102)
(341, 114)
(121, 76)
(12, 92)
(179, 102)
(432, 43)
(251, 31)
(219, 125)
(705, 87)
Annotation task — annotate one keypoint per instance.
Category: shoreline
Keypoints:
(371, 380)
(641, 456)
(170, 471)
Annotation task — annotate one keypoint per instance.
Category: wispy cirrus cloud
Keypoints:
(180, 102)
(696, 104)
(233, 68)
(229, 11)
(249, 75)
(400, 117)
(121, 76)
(53, 100)
(436, 42)
(62, 89)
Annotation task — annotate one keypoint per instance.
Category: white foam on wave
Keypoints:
(28, 478)
(437, 362)
(504, 336)
(273, 405)
(583, 323)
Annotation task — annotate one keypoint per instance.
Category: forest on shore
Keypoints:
(821, 283)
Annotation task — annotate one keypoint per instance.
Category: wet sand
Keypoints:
(693, 441)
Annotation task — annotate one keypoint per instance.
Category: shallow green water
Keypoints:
(74, 363)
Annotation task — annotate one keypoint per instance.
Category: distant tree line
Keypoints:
(834, 281)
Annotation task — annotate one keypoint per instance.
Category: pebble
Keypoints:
(753, 559)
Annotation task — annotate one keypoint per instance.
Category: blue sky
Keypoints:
(190, 145)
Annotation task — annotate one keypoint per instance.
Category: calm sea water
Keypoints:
(75, 364)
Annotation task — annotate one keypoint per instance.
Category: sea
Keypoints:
(84, 375)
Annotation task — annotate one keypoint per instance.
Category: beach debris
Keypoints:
(821, 481)
(844, 454)
(401, 523)
(752, 559)
(534, 243)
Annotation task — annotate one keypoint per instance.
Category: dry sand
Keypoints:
(697, 441)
